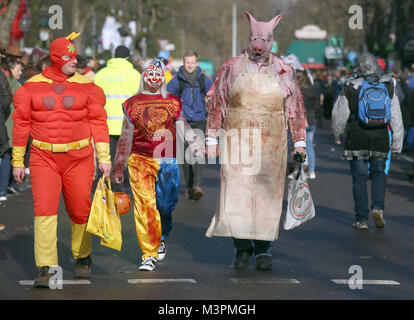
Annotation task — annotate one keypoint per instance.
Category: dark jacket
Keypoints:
(362, 142)
(192, 99)
(4, 139)
(6, 93)
(359, 138)
(5, 101)
(311, 99)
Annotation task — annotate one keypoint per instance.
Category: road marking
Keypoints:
(264, 281)
(138, 281)
(64, 282)
(375, 282)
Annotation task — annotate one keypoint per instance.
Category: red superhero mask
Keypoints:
(59, 48)
(154, 75)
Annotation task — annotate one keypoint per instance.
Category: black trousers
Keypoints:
(251, 246)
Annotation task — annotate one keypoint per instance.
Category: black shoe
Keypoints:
(360, 225)
(242, 260)
(264, 262)
(83, 267)
(43, 277)
(12, 190)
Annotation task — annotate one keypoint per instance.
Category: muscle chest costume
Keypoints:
(62, 114)
(251, 97)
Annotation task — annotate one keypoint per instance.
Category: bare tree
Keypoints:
(6, 21)
(81, 13)
(144, 13)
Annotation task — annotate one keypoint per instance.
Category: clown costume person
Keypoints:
(61, 111)
(256, 99)
(147, 141)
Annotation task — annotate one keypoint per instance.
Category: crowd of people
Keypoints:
(329, 84)
(120, 108)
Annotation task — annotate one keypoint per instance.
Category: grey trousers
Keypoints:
(193, 173)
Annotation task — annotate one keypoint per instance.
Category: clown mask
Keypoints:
(154, 75)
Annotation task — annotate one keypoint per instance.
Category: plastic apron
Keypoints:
(251, 191)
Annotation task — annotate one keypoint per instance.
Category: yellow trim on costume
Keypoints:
(61, 147)
(104, 156)
(78, 78)
(72, 36)
(18, 157)
(39, 78)
(45, 241)
(81, 241)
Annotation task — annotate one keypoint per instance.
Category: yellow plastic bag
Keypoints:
(104, 219)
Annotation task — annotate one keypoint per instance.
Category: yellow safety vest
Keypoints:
(119, 81)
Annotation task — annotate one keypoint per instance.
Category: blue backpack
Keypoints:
(374, 107)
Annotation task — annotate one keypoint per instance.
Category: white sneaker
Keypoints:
(162, 251)
(312, 175)
(3, 198)
(2, 227)
(148, 264)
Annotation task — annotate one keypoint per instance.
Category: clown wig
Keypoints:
(161, 65)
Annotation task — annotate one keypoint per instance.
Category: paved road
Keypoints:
(305, 260)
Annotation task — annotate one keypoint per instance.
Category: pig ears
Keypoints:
(250, 17)
(275, 21)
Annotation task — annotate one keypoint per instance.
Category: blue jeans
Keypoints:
(359, 171)
(310, 151)
(167, 185)
(6, 177)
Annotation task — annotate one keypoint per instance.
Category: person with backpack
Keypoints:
(191, 85)
(367, 110)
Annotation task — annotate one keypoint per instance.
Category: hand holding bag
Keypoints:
(300, 207)
(104, 218)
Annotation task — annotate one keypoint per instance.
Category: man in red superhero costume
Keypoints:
(61, 111)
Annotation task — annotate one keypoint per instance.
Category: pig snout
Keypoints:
(258, 50)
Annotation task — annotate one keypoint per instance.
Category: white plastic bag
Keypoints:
(300, 207)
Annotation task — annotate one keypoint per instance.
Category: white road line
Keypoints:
(63, 282)
(264, 281)
(375, 282)
(140, 281)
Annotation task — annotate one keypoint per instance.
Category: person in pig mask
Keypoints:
(254, 100)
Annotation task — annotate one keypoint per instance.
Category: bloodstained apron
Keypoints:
(253, 160)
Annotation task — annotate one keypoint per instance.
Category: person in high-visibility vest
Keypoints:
(119, 81)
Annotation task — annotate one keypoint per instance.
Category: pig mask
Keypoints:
(261, 37)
